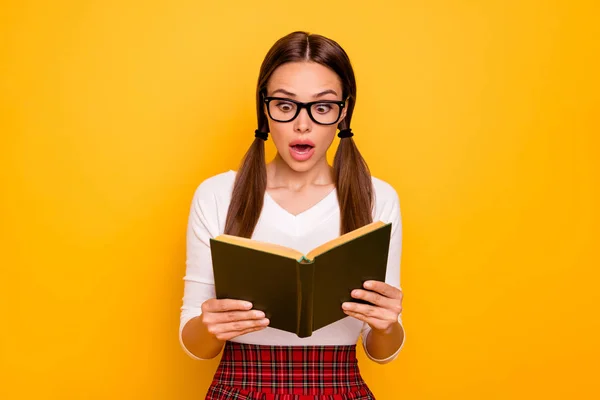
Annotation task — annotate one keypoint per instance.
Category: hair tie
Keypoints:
(262, 135)
(345, 133)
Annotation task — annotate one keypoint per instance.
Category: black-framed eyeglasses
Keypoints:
(322, 112)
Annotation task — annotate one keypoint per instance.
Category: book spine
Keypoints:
(305, 273)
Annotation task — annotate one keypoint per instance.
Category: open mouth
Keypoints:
(302, 148)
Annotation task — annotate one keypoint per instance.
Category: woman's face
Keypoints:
(302, 143)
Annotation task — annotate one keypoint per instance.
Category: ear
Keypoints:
(344, 112)
(265, 105)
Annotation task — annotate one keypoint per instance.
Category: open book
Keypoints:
(300, 293)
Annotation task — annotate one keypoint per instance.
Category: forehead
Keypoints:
(304, 79)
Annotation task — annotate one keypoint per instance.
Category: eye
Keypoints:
(285, 106)
(323, 108)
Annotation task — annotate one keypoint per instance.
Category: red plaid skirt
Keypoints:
(255, 372)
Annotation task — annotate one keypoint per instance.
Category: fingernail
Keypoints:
(248, 305)
(368, 285)
(264, 322)
(259, 314)
(355, 293)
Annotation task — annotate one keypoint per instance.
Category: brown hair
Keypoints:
(351, 173)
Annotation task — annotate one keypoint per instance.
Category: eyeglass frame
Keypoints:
(300, 106)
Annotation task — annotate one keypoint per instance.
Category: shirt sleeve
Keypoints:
(390, 214)
(199, 278)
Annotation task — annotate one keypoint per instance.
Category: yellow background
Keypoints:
(482, 114)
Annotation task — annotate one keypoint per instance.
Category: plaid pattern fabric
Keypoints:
(256, 372)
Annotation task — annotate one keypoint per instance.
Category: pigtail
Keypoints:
(248, 191)
(353, 183)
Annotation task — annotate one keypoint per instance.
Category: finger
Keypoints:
(375, 298)
(238, 326)
(369, 311)
(384, 289)
(232, 316)
(221, 305)
(231, 335)
(373, 322)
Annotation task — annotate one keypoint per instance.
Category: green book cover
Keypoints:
(300, 293)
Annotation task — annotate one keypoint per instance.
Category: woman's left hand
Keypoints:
(387, 305)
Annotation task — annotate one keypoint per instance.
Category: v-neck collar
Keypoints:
(308, 213)
(313, 215)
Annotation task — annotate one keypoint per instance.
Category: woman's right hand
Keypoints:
(226, 319)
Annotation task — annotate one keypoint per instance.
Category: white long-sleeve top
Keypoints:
(303, 232)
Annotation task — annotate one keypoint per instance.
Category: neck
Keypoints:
(279, 174)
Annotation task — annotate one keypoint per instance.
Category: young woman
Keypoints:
(306, 90)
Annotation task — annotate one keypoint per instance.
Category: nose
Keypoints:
(303, 123)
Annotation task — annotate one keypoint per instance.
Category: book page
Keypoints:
(345, 238)
(261, 246)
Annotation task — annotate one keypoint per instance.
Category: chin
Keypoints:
(300, 166)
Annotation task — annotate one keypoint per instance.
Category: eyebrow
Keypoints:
(323, 93)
